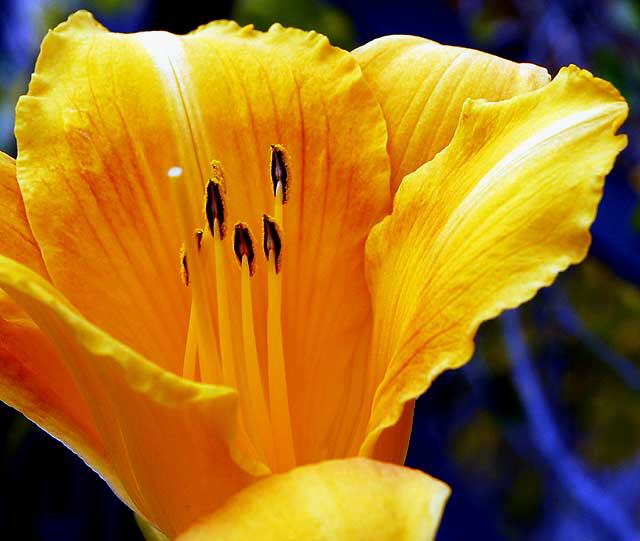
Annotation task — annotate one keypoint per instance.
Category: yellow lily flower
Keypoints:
(359, 221)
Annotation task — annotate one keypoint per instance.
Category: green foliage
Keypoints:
(609, 306)
(311, 15)
(476, 447)
(607, 410)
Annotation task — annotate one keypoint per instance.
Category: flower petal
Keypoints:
(422, 86)
(165, 437)
(16, 239)
(33, 377)
(98, 204)
(494, 217)
(342, 500)
(393, 443)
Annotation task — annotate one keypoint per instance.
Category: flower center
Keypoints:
(215, 351)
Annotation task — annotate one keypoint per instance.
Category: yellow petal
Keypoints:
(422, 86)
(33, 377)
(16, 238)
(89, 147)
(494, 217)
(35, 381)
(165, 437)
(342, 500)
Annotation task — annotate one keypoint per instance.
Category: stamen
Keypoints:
(184, 268)
(212, 247)
(272, 243)
(243, 247)
(214, 201)
(280, 170)
(208, 355)
(277, 205)
(214, 208)
(278, 391)
(198, 233)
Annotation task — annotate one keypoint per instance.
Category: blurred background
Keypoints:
(539, 435)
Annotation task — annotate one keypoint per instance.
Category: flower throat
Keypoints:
(265, 424)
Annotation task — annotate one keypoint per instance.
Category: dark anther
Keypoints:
(184, 270)
(198, 233)
(279, 170)
(214, 206)
(271, 242)
(243, 246)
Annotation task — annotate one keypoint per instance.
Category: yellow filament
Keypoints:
(212, 246)
(191, 349)
(224, 329)
(207, 350)
(279, 203)
(278, 394)
(257, 405)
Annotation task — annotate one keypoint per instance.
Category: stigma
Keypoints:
(221, 345)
